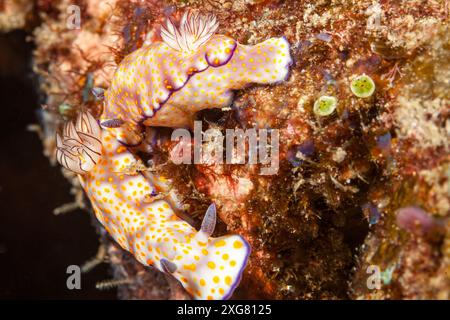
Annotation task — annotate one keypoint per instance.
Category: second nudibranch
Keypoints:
(209, 268)
(167, 82)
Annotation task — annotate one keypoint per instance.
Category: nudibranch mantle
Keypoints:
(167, 82)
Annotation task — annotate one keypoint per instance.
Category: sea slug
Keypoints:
(165, 84)
(209, 268)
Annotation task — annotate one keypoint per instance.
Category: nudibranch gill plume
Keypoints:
(165, 84)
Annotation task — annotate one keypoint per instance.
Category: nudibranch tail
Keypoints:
(220, 271)
(215, 269)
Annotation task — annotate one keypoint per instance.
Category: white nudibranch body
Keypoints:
(209, 268)
(165, 84)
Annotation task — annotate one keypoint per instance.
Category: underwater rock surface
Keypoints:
(330, 214)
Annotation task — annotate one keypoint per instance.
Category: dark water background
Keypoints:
(36, 247)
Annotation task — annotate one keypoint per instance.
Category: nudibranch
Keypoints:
(165, 84)
(209, 268)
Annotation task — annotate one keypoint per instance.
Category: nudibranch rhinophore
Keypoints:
(165, 84)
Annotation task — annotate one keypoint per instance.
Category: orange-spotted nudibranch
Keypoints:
(209, 268)
(167, 82)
